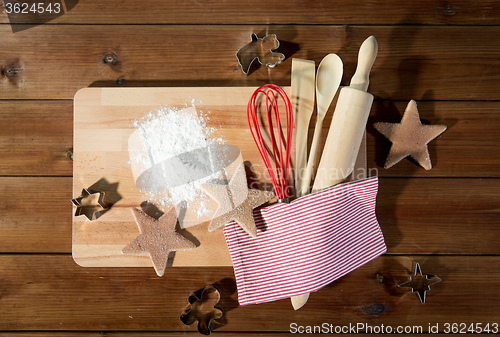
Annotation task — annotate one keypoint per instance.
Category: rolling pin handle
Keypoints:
(366, 57)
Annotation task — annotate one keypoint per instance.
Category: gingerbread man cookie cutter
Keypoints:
(203, 308)
(260, 49)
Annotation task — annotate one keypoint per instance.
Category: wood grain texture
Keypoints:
(439, 216)
(158, 334)
(35, 214)
(36, 138)
(302, 97)
(428, 12)
(414, 62)
(417, 216)
(148, 333)
(154, 334)
(136, 299)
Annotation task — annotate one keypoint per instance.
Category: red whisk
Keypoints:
(279, 150)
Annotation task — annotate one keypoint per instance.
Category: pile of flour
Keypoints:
(170, 132)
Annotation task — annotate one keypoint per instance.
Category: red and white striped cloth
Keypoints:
(302, 246)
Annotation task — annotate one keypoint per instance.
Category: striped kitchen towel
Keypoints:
(302, 246)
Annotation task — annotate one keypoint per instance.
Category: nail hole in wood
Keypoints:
(450, 10)
(9, 71)
(111, 58)
(69, 154)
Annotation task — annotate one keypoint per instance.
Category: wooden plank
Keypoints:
(130, 334)
(468, 148)
(36, 138)
(142, 334)
(35, 215)
(154, 334)
(439, 216)
(414, 62)
(417, 216)
(46, 292)
(428, 12)
(161, 334)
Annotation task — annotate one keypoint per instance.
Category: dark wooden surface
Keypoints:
(442, 54)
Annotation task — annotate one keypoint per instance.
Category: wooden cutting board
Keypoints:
(103, 122)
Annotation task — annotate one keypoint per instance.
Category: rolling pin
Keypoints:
(346, 130)
(348, 123)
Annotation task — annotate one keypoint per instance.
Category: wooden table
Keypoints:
(443, 56)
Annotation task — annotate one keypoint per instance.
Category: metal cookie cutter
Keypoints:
(86, 205)
(202, 308)
(261, 50)
(419, 282)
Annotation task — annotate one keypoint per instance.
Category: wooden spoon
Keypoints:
(328, 78)
(302, 100)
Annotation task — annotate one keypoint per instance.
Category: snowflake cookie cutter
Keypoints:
(419, 283)
(203, 308)
(260, 49)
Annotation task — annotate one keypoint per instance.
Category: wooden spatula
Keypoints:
(302, 99)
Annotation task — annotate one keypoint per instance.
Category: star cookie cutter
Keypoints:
(85, 206)
(203, 308)
(419, 282)
(260, 49)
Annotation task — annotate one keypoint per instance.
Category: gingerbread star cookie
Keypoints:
(409, 138)
(236, 202)
(158, 238)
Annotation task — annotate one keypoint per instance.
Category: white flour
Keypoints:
(168, 133)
